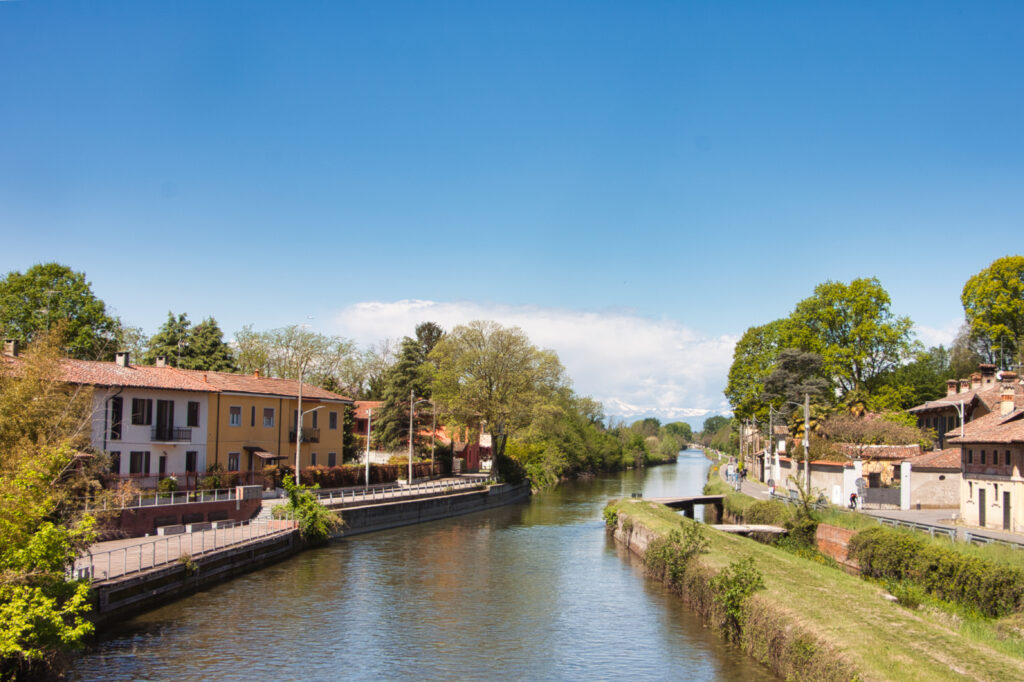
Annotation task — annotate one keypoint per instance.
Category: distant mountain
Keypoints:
(616, 410)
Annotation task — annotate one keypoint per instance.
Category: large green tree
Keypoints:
(332, 362)
(190, 347)
(753, 359)
(993, 303)
(493, 374)
(410, 376)
(852, 327)
(35, 301)
(43, 425)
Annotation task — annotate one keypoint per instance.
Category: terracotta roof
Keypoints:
(900, 452)
(940, 459)
(990, 396)
(363, 405)
(994, 427)
(91, 373)
(259, 385)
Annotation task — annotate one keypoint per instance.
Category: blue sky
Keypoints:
(633, 183)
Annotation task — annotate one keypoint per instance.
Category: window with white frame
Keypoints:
(268, 417)
(235, 417)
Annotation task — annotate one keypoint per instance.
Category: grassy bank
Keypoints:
(814, 622)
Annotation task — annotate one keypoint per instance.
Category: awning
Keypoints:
(263, 454)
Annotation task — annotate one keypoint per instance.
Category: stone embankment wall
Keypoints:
(834, 541)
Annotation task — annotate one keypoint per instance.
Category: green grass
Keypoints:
(851, 616)
(835, 516)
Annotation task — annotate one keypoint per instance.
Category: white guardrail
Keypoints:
(165, 499)
(145, 555)
(396, 492)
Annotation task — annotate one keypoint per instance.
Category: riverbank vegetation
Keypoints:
(813, 621)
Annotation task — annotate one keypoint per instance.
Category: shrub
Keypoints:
(167, 485)
(994, 589)
(611, 516)
(732, 587)
(803, 530)
(667, 557)
(768, 513)
(316, 522)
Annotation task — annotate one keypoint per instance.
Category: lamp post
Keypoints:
(959, 405)
(412, 411)
(298, 437)
(369, 426)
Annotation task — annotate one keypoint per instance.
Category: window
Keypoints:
(268, 417)
(970, 456)
(193, 413)
(162, 464)
(235, 417)
(252, 416)
(312, 460)
(332, 420)
(142, 411)
(982, 456)
(1007, 462)
(191, 458)
(970, 490)
(116, 415)
(332, 459)
(115, 462)
(139, 463)
(233, 457)
(315, 415)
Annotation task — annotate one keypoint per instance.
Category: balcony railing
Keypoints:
(308, 435)
(163, 434)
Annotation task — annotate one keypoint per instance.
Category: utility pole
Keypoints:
(369, 425)
(807, 440)
(412, 408)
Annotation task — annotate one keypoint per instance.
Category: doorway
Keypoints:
(981, 507)
(1006, 511)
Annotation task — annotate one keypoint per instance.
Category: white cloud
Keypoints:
(632, 364)
(935, 336)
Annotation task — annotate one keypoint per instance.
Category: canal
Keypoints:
(530, 591)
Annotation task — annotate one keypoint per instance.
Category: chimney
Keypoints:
(122, 359)
(976, 380)
(965, 385)
(11, 348)
(256, 374)
(988, 374)
(951, 387)
(1006, 405)
(206, 379)
(161, 361)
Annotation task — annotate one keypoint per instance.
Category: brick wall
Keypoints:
(833, 541)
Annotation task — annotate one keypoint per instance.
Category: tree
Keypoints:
(43, 425)
(170, 341)
(753, 360)
(410, 375)
(682, 431)
(48, 294)
(200, 347)
(647, 427)
(854, 331)
(993, 303)
(493, 374)
(796, 374)
(918, 381)
(287, 352)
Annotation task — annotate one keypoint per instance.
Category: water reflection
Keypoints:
(533, 591)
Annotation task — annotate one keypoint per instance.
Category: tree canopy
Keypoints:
(753, 360)
(332, 362)
(993, 303)
(493, 374)
(199, 347)
(47, 294)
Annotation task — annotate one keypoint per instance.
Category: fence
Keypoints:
(882, 496)
(149, 554)
(950, 533)
(395, 492)
(164, 499)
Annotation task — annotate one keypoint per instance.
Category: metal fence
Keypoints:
(165, 499)
(396, 492)
(950, 533)
(145, 555)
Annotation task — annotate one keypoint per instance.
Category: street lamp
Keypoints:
(412, 411)
(959, 405)
(369, 425)
(298, 434)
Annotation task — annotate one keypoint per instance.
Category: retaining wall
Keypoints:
(834, 542)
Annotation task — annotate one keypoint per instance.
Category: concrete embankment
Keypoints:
(114, 599)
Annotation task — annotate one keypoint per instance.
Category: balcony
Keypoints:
(173, 434)
(308, 435)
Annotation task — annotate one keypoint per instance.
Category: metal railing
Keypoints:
(923, 527)
(171, 434)
(146, 555)
(167, 499)
(988, 540)
(309, 435)
(397, 492)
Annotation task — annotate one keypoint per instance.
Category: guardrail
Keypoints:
(987, 540)
(396, 492)
(923, 527)
(165, 499)
(143, 556)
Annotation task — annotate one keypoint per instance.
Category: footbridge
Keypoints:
(687, 504)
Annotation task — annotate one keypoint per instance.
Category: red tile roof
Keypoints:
(940, 459)
(225, 382)
(362, 406)
(994, 427)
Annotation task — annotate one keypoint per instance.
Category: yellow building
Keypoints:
(252, 422)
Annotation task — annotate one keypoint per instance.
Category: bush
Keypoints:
(167, 485)
(316, 522)
(803, 530)
(768, 513)
(994, 589)
(667, 557)
(732, 588)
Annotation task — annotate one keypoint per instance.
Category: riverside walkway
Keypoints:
(113, 559)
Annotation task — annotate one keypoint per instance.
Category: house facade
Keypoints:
(970, 398)
(992, 460)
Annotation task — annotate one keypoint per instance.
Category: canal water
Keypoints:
(530, 591)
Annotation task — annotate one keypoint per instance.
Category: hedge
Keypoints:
(992, 588)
